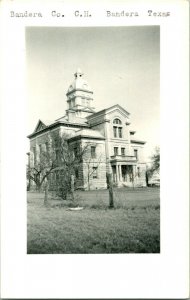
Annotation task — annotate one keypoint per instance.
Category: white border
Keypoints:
(162, 275)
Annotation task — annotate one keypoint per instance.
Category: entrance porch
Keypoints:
(124, 170)
(123, 174)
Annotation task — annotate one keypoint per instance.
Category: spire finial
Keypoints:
(78, 73)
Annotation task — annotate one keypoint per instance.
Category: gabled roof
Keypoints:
(109, 109)
(45, 125)
(56, 124)
(42, 124)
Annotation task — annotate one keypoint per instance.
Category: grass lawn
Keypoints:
(133, 226)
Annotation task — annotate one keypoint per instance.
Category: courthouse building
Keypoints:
(112, 145)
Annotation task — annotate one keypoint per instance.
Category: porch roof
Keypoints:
(124, 159)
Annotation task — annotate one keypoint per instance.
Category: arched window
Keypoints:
(117, 121)
(117, 128)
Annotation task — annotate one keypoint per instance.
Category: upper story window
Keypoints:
(117, 128)
(120, 132)
(93, 152)
(115, 131)
(34, 154)
(136, 153)
(122, 151)
(72, 102)
(117, 121)
(40, 149)
(57, 155)
(47, 147)
(115, 150)
(75, 151)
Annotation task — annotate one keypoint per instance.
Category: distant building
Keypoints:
(113, 147)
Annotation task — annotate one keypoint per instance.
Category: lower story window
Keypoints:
(95, 172)
(77, 173)
(138, 172)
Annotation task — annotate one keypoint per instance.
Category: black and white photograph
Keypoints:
(94, 157)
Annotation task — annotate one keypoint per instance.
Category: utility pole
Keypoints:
(110, 187)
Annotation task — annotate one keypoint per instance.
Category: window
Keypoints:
(46, 147)
(117, 130)
(122, 151)
(34, 153)
(117, 121)
(76, 173)
(95, 172)
(57, 155)
(75, 150)
(40, 150)
(136, 153)
(138, 172)
(115, 150)
(93, 152)
(120, 132)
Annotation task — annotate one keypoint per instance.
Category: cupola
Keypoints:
(80, 96)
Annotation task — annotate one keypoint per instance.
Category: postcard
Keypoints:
(94, 140)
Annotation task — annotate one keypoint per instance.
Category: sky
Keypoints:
(121, 64)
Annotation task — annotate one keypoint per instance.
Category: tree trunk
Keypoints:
(39, 188)
(88, 178)
(133, 182)
(147, 183)
(72, 187)
(111, 196)
(46, 192)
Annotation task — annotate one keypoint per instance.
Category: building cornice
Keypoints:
(138, 142)
(78, 89)
(79, 137)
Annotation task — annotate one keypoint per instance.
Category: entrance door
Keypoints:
(129, 173)
(124, 173)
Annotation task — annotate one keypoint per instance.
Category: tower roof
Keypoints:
(79, 83)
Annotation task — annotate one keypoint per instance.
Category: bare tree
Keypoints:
(155, 165)
(156, 160)
(92, 167)
(57, 165)
(68, 162)
(39, 171)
